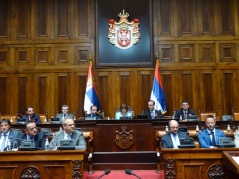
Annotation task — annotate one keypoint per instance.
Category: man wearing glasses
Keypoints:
(172, 139)
(209, 137)
(69, 133)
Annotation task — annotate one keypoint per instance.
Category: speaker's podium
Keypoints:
(230, 160)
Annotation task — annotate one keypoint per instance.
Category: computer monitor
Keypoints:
(27, 145)
(124, 117)
(225, 142)
(142, 117)
(66, 145)
(21, 121)
(55, 121)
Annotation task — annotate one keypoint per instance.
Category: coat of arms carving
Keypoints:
(124, 34)
(124, 139)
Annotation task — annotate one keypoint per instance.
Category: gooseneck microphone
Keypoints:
(129, 172)
(106, 172)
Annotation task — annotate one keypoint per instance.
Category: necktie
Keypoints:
(175, 143)
(213, 139)
(185, 114)
(3, 142)
(152, 115)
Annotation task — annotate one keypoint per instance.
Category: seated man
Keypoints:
(185, 113)
(31, 116)
(6, 134)
(209, 137)
(172, 139)
(32, 134)
(69, 133)
(64, 114)
(152, 113)
(93, 115)
(123, 113)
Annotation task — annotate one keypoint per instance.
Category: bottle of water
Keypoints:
(180, 118)
(45, 121)
(9, 145)
(197, 128)
(108, 117)
(47, 144)
(228, 128)
(74, 118)
(166, 129)
(173, 114)
(11, 120)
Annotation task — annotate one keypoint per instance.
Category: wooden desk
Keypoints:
(230, 163)
(42, 164)
(194, 163)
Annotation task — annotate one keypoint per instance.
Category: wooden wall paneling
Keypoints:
(63, 19)
(64, 55)
(25, 92)
(125, 86)
(228, 90)
(23, 56)
(228, 52)
(166, 78)
(23, 28)
(4, 19)
(80, 87)
(4, 94)
(166, 53)
(103, 89)
(177, 89)
(43, 55)
(187, 86)
(5, 56)
(134, 94)
(82, 18)
(145, 82)
(206, 22)
(163, 10)
(43, 19)
(186, 52)
(236, 17)
(206, 52)
(187, 16)
(82, 54)
(62, 90)
(225, 16)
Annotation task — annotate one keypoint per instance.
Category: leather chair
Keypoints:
(203, 115)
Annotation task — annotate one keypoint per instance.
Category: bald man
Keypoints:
(172, 139)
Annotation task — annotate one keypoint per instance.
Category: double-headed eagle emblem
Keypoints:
(124, 34)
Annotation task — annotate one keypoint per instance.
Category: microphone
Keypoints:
(106, 172)
(129, 172)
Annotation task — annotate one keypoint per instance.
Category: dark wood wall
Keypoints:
(45, 46)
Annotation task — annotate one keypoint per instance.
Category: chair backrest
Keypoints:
(203, 115)
(236, 116)
(9, 117)
(42, 117)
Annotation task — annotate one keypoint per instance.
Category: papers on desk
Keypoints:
(236, 159)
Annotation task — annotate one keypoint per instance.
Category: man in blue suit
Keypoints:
(209, 138)
(6, 134)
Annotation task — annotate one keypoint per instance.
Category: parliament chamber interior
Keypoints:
(188, 49)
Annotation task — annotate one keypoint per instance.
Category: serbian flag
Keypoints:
(91, 96)
(157, 93)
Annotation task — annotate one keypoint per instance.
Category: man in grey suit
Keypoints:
(172, 139)
(69, 133)
(6, 134)
(64, 114)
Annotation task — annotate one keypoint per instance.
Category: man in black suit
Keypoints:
(172, 139)
(152, 113)
(184, 113)
(31, 116)
(31, 133)
(93, 115)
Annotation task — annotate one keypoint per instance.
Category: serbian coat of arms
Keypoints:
(123, 34)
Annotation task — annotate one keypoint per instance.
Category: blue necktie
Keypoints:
(213, 139)
(3, 142)
(152, 115)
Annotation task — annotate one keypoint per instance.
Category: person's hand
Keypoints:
(184, 120)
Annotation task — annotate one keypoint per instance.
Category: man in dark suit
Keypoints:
(93, 115)
(64, 114)
(152, 113)
(184, 113)
(209, 137)
(31, 116)
(172, 139)
(31, 133)
(69, 133)
(6, 134)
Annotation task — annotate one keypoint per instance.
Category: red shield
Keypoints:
(124, 37)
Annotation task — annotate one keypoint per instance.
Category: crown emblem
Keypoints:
(123, 15)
